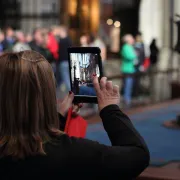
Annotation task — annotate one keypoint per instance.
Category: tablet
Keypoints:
(83, 63)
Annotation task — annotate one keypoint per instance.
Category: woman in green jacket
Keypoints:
(129, 59)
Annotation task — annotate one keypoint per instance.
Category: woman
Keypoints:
(129, 60)
(33, 147)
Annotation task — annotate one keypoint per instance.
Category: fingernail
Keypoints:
(94, 74)
(80, 106)
(70, 92)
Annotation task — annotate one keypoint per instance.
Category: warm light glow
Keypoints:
(73, 7)
(85, 9)
(109, 22)
(117, 24)
(95, 14)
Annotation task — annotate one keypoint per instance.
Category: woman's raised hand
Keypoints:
(107, 93)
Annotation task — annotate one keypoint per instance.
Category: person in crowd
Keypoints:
(84, 40)
(63, 66)
(29, 38)
(129, 59)
(96, 41)
(55, 29)
(139, 47)
(2, 41)
(20, 44)
(39, 43)
(10, 40)
(140, 52)
(154, 52)
(53, 46)
(32, 142)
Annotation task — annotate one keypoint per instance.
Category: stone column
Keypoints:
(151, 21)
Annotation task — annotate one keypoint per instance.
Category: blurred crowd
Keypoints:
(52, 43)
(134, 61)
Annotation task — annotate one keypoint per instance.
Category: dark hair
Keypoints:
(35, 30)
(28, 114)
(139, 33)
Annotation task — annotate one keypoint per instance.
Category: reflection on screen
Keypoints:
(83, 66)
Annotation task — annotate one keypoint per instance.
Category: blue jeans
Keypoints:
(128, 85)
(64, 74)
(85, 90)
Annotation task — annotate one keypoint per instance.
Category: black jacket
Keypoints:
(64, 44)
(154, 52)
(43, 51)
(76, 158)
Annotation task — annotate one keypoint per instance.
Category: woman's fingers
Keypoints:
(80, 105)
(108, 95)
(65, 98)
(116, 89)
(76, 109)
(109, 86)
(66, 104)
(103, 83)
(96, 84)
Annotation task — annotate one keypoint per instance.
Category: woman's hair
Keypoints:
(28, 114)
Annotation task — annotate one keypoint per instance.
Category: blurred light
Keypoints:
(73, 8)
(117, 24)
(94, 15)
(85, 9)
(109, 21)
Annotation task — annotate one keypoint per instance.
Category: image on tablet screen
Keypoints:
(83, 66)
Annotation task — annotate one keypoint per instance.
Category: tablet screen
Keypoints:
(83, 66)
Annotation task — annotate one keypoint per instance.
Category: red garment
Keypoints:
(146, 63)
(75, 126)
(53, 46)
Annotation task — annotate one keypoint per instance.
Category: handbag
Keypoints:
(75, 126)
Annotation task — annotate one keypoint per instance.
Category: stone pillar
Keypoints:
(151, 21)
(155, 23)
(176, 11)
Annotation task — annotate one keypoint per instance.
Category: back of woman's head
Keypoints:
(28, 113)
(128, 38)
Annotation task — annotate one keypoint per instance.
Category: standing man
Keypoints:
(9, 39)
(64, 43)
(139, 48)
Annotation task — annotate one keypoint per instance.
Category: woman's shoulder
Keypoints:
(75, 142)
(126, 47)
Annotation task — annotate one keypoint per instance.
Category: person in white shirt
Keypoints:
(21, 44)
